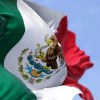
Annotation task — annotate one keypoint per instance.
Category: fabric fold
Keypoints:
(77, 61)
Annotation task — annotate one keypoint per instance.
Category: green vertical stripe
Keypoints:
(11, 88)
(14, 29)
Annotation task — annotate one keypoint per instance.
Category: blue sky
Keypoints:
(83, 19)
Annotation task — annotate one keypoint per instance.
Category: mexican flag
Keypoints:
(39, 59)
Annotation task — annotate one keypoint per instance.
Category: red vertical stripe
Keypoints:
(77, 61)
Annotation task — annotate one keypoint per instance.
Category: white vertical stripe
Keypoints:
(35, 31)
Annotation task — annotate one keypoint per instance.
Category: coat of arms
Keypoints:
(41, 64)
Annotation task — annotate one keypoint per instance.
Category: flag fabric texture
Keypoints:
(39, 59)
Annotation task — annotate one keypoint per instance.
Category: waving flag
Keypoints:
(39, 59)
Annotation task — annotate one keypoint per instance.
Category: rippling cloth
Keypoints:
(21, 24)
(77, 61)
